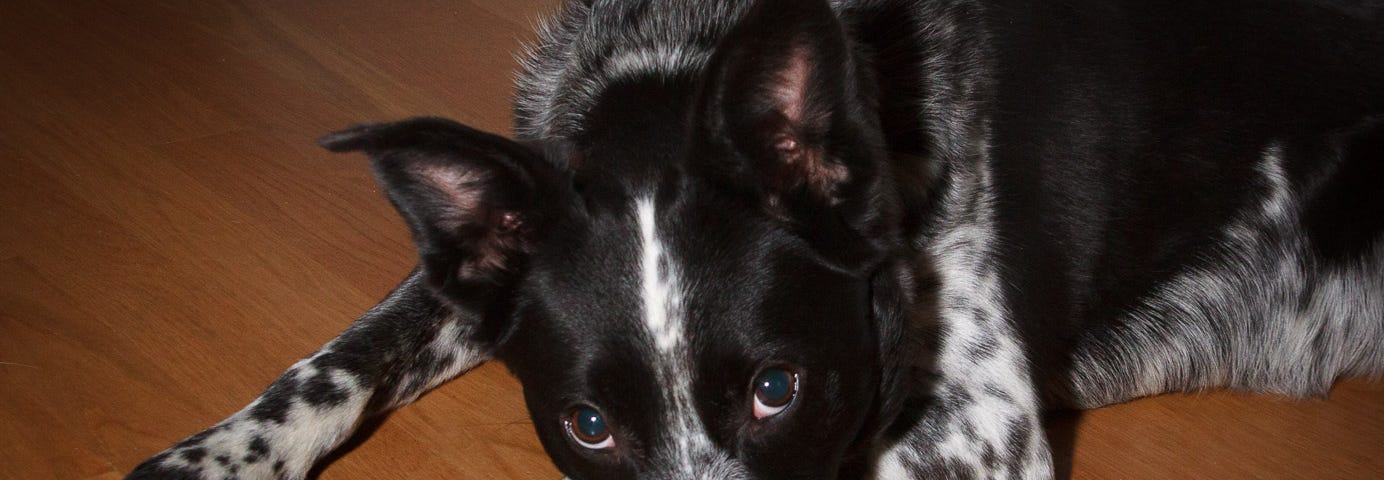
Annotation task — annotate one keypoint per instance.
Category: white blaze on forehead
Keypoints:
(661, 298)
(690, 452)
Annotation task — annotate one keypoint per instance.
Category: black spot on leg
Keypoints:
(259, 448)
(1020, 431)
(947, 468)
(1019, 436)
(988, 457)
(364, 366)
(995, 391)
(952, 397)
(982, 348)
(223, 460)
(273, 408)
(980, 316)
(320, 391)
(279, 466)
(273, 405)
(194, 454)
(968, 428)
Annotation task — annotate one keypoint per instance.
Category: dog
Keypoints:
(868, 238)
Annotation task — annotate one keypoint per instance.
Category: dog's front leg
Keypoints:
(398, 350)
(981, 419)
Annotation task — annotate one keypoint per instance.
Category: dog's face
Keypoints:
(699, 289)
(687, 337)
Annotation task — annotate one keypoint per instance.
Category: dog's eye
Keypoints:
(588, 428)
(774, 389)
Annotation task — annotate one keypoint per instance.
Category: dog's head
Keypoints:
(706, 285)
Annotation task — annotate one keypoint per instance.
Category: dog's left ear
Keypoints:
(786, 112)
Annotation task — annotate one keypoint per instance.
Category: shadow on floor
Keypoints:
(364, 432)
(1061, 427)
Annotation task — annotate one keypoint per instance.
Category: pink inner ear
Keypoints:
(790, 90)
(460, 192)
(808, 163)
(491, 233)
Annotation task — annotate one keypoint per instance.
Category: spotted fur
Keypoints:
(406, 345)
(1261, 313)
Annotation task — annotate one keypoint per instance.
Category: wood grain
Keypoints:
(172, 240)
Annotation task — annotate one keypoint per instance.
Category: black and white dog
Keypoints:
(868, 238)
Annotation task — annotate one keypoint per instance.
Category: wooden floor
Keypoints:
(172, 240)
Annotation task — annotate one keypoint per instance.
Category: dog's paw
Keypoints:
(230, 450)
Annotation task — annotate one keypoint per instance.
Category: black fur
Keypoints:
(944, 217)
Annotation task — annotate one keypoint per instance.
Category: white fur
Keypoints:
(310, 432)
(662, 300)
(688, 449)
(306, 434)
(891, 464)
(667, 60)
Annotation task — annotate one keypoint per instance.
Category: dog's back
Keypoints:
(1189, 195)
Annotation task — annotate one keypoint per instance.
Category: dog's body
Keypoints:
(938, 218)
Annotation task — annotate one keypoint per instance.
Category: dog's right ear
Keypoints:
(476, 203)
